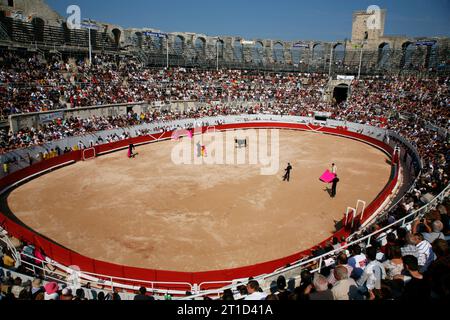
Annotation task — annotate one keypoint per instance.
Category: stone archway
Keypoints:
(117, 34)
(38, 28)
(341, 93)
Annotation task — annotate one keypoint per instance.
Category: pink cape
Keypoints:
(327, 177)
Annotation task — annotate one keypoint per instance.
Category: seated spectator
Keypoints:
(282, 292)
(142, 296)
(51, 291)
(432, 233)
(341, 260)
(66, 294)
(319, 290)
(416, 288)
(425, 251)
(345, 287)
(254, 291)
(394, 264)
(410, 249)
(79, 295)
(36, 288)
(17, 287)
(227, 295)
(299, 292)
(370, 281)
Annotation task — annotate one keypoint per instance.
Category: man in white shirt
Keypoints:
(373, 273)
(253, 291)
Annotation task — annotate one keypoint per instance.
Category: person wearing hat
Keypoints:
(36, 288)
(51, 291)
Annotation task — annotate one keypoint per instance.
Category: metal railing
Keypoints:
(318, 261)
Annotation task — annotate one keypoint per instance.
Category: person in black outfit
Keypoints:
(287, 176)
(333, 188)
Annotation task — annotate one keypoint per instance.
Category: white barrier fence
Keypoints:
(103, 281)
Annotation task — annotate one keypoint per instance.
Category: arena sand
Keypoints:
(148, 212)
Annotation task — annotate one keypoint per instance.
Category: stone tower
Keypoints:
(368, 25)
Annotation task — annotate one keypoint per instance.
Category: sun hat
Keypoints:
(51, 287)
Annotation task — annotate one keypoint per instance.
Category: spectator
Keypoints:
(425, 251)
(254, 291)
(66, 294)
(36, 288)
(51, 291)
(410, 248)
(282, 292)
(345, 287)
(416, 288)
(319, 289)
(142, 295)
(357, 261)
(79, 295)
(341, 260)
(374, 272)
(394, 264)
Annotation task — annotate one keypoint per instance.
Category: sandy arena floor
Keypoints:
(148, 212)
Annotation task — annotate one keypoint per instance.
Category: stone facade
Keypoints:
(187, 45)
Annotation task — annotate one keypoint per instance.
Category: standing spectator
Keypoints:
(374, 272)
(357, 261)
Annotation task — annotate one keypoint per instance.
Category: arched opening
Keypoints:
(338, 53)
(298, 52)
(200, 46)
(154, 43)
(408, 50)
(179, 45)
(117, 34)
(278, 52)
(318, 52)
(220, 46)
(238, 50)
(38, 29)
(258, 52)
(432, 59)
(384, 54)
(66, 32)
(138, 39)
(340, 93)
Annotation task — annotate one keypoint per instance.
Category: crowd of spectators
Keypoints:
(407, 264)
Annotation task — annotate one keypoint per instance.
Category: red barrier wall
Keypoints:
(68, 257)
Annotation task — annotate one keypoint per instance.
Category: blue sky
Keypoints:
(272, 19)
